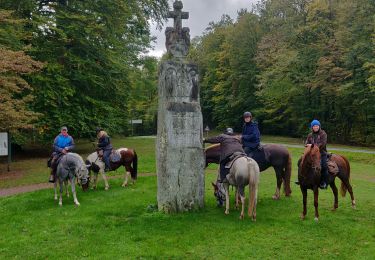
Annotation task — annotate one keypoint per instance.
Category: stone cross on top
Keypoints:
(178, 15)
(177, 37)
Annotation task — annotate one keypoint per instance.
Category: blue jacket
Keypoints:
(104, 143)
(250, 135)
(62, 142)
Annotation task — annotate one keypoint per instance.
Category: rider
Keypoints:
(319, 137)
(229, 145)
(62, 144)
(104, 145)
(250, 135)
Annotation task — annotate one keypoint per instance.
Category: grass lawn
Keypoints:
(122, 223)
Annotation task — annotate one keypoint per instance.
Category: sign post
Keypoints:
(135, 121)
(5, 147)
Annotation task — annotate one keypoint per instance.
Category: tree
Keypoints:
(16, 95)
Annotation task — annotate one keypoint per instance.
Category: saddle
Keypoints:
(233, 158)
(115, 156)
(333, 168)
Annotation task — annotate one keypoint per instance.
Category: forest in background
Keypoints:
(82, 64)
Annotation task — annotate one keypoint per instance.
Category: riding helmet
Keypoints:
(247, 114)
(229, 131)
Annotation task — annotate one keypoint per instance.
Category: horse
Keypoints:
(128, 159)
(273, 155)
(244, 171)
(71, 166)
(309, 173)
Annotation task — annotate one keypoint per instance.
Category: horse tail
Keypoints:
(343, 188)
(254, 174)
(287, 176)
(134, 173)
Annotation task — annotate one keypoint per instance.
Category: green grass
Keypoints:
(121, 223)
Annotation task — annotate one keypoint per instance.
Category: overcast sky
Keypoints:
(201, 12)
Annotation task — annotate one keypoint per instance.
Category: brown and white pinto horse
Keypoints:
(129, 160)
(309, 172)
(275, 155)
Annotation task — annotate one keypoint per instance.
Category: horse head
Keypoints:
(311, 157)
(212, 154)
(219, 193)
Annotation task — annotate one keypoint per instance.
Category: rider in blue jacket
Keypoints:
(62, 144)
(104, 145)
(250, 135)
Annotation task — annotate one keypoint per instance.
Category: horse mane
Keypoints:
(308, 150)
(211, 147)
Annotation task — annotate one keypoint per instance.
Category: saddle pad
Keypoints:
(233, 158)
(115, 156)
(333, 169)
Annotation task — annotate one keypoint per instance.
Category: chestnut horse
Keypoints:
(128, 159)
(274, 155)
(309, 173)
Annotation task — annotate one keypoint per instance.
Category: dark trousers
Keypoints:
(106, 155)
(250, 151)
(323, 164)
(224, 171)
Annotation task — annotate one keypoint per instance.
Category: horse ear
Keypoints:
(213, 184)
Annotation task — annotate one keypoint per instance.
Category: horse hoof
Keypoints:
(274, 197)
(303, 217)
(55, 198)
(226, 212)
(333, 209)
(241, 217)
(316, 219)
(354, 206)
(254, 219)
(77, 204)
(106, 188)
(60, 204)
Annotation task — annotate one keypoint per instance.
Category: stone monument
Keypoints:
(179, 145)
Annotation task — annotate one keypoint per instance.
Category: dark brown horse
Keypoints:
(128, 158)
(273, 155)
(309, 173)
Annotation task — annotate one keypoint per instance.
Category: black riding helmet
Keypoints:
(247, 114)
(98, 129)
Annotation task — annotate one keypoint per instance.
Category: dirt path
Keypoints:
(42, 186)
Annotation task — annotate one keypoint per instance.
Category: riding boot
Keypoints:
(324, 172)
(323, 179)
(52, 176)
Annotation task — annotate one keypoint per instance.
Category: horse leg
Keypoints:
(237, 201)
(279, 180)
(346, 184)
(66, 188)
(125, 183)
(61, 191)
(335, 194)
(55, 189)
(316, 198)
(106, 185)
(74, 192)
(95, 181)
(252, 202)
(226, 187)
(304, 194)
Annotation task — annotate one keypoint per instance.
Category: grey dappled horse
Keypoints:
(72, 166)
(244, 171)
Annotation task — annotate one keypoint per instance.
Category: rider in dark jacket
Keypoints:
(250, 135)
(229, 144)
(104, 144)
(319, 137)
